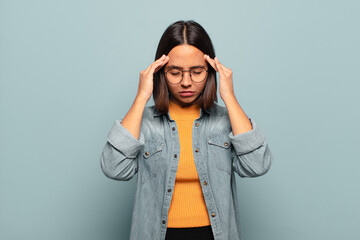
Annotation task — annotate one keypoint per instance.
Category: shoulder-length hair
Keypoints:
(178, 33)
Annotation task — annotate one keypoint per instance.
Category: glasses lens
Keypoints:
(198, 74)
(174, 76)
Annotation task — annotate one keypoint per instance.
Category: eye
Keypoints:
(197, 71)
(174, 73)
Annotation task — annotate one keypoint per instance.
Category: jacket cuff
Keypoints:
(248, 141)
(124, 141)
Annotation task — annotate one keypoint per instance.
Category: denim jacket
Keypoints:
(155, 157)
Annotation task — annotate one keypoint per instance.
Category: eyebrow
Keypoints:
(177, 67)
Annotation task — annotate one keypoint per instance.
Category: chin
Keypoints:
(185, 101)
(190, 103)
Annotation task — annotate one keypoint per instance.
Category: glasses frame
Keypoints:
(182, 75)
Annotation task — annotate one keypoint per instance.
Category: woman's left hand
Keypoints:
(226, 89)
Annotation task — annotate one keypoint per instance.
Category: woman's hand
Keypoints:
(146, 77)
(226, 89)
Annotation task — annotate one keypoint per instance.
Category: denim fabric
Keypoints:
(218, 155)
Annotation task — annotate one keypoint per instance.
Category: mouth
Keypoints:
(186, 93)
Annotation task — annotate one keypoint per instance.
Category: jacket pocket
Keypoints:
(151, 155)
(220, 151)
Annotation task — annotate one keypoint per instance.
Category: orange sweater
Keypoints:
(187, 207)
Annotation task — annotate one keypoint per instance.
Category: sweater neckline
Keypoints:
(183, 113)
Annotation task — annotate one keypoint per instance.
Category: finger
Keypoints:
(210, 61)
(222, 68)
(228, 70)
(157, 66)
(156, 63)
(154, 67)
(219, 65)
(166, 60)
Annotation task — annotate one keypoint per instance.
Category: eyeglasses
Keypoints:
(197, 75)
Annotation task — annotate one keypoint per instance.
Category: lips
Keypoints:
(186, 93)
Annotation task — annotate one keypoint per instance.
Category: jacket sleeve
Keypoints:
(119, 157)
(251, 155)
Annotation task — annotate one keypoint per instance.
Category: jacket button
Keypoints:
(197, 150)
(173, 128)
(163, 221)
(197, 124)
(213, 214)
(226, 143)
(205, 183)
(175, 155)
(169, 190)
(147, 153)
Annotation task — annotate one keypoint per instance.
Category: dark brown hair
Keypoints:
(178, 33)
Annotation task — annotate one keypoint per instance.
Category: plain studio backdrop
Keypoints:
(69, 69)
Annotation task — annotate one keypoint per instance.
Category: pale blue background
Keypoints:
(68, 69)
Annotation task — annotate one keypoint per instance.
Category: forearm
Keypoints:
(132, 120)
(240, 123)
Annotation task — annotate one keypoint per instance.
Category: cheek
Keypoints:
(171, 89)
(202, 87)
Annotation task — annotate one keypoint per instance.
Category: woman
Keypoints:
(186, 148)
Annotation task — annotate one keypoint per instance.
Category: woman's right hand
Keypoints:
(146, 77)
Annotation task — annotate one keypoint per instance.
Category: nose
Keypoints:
(186, 81)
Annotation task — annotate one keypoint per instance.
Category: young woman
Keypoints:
(186, 148)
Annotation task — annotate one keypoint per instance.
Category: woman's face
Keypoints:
(184, 57)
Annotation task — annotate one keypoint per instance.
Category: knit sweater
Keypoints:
(187, 207)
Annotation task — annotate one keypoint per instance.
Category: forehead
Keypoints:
(186, 56)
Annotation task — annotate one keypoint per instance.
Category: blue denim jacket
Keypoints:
(155, 157)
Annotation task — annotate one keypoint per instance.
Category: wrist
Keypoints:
(142, 98)
(228, 98)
